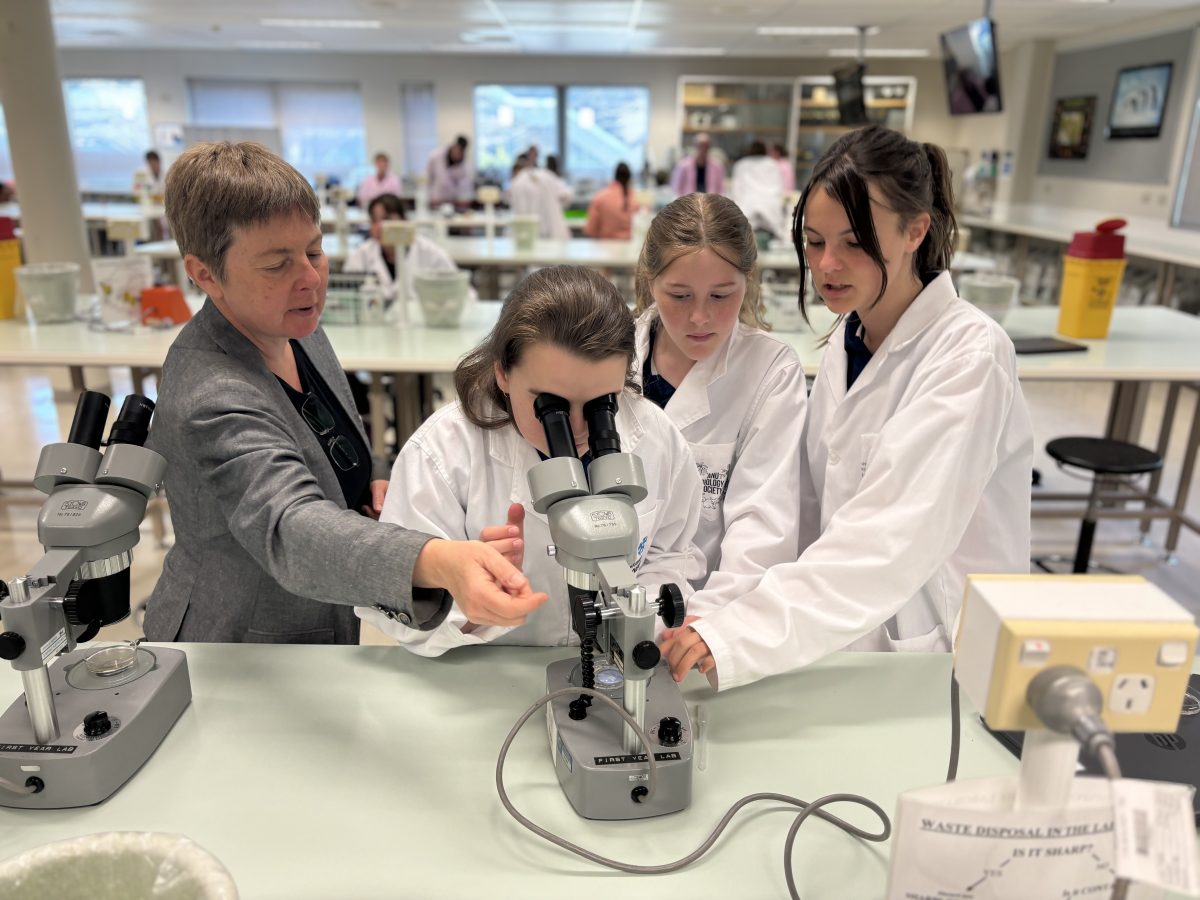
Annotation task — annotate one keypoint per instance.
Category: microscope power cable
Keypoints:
(813, 808)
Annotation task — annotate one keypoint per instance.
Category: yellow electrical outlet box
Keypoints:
(1136, 643)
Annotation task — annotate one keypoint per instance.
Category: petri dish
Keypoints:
(109, 661)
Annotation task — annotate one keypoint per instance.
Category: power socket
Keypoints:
(1133, 641)
(1131, 694)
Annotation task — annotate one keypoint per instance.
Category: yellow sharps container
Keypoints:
(1092, 270)
(10, 258)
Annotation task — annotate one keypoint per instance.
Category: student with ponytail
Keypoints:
(610, 214)
(918, 446)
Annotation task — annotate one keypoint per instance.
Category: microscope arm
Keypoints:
(33, 613)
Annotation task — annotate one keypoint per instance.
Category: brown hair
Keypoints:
(691, 223)
(215, 188)
(913, 179)
(573, 307)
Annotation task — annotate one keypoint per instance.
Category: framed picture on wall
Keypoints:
(1072, 127)
(1139, 101)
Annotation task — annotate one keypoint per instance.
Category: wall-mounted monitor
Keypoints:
(848, 86)
(972, 68)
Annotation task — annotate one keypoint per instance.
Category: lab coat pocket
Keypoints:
(868, 444)
(714, 463)
(933, 641)
(647, 525)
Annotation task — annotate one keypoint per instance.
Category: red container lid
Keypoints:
(7, 229)
(1103, 243)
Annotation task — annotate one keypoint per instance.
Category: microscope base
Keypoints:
(82, 771)
(589, 758)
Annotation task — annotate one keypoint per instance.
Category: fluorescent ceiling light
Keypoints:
(682, 51)
(280, 45)
(900, 52)
(321, 23)
(814, 30)
(568, 26)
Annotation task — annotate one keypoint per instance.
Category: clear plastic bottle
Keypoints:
(370, 302)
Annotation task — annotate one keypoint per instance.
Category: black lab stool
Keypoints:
(1106, 459)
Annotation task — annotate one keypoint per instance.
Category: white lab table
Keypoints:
(367, 772)
(1145, 345)
(1146, 238)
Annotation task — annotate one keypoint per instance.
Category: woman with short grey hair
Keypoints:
(268, 464)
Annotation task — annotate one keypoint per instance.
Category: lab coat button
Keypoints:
(834, 459)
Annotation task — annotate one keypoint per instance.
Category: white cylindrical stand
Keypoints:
(1048, 762)
(51, 211)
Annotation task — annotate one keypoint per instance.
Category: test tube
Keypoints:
(700, 736)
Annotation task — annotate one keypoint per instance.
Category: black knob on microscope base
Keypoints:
(97, 723)
(670, 731)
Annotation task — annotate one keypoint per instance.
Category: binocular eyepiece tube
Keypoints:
(601, 414)
(91, 412)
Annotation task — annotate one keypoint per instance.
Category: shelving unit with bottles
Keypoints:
(735, 111)
(889, 100)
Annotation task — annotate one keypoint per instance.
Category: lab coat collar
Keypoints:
(920, 315)
(690, 403)
(510, 449)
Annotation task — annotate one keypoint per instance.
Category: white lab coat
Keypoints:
(757, 188)
(742, 411)
(541, 193)
(453, 479)
(423, 255)
(917, 477)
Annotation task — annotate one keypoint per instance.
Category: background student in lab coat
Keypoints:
(736, 392)
(378, 259)
(918, 446)
(757, 187)
(563, 330)
(536, 192)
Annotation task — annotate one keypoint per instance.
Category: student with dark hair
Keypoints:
(379, 259)
(563, 330)
(610, 214)
(918, 446)
(450, 174)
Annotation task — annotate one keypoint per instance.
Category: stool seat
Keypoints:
(1104, 456)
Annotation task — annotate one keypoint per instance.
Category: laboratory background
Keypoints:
(455, 149)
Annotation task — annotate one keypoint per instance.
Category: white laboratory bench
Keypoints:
(367, 772)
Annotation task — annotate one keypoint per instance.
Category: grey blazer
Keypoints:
(265, 549)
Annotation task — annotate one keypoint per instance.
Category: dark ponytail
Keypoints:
(937, 250)
(622, 176)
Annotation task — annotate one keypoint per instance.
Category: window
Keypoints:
(320, 125)
(418, 122)
(601, 126)
(6, 169)
(606, 126)
(109, 130)
(510, 118)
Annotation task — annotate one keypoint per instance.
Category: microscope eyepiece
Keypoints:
(133, 422)
(555, 415)
(601, 415)
(91, 412)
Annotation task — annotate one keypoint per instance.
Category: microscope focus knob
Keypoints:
(646, 655)
(671, 606)
(96, 723)
(12, 645)
(670, 731)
